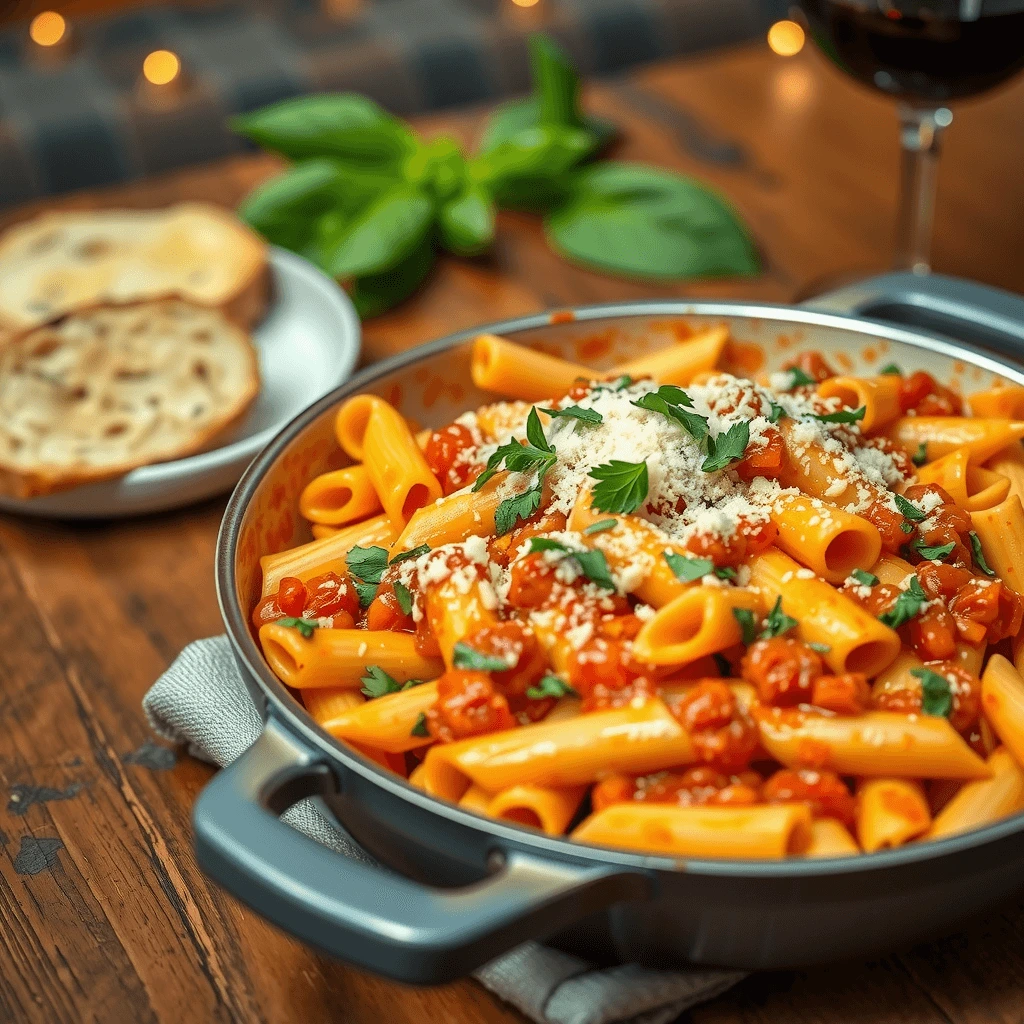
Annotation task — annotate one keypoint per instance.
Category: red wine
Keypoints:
(928, 50)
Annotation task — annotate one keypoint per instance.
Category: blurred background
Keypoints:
(99, 91)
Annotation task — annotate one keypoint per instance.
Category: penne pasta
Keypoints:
(1002, 703)
(998, 403)
(387, 722)
(510, 369)
(540, 807)
(830, 838)
(972, 487)
(943, 434)
(890, 812)
(980, 803)
(454, 518)
(678, 363)
(1001, 532)
(878, 396)
(339, 497)
(1010, 463)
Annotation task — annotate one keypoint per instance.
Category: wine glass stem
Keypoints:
(920, 129)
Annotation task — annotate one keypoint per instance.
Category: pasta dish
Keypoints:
(670, 609)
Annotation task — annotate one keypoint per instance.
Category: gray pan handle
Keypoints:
(948, 306)
(365, 914)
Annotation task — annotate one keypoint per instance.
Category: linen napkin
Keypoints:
(201, 701)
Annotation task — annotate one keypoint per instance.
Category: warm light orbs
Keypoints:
(47, 28)
(161, 67)
(525, 3)
(786, 38)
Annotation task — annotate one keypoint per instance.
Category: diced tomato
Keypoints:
(783, 670)
(827, 794)
(846, 694)
(813, 364)
(519, 647)
(986, 610)
(965, 690)
(941, 580)
(730, 748)
(532, 580)
(922, 393)
(735, 795)
(695, 786)
(503, 548)
(707, 705)
(888, 522)
(447, 456)
(603, 672)
(266, 611)
(748, 539)
(385, 612)
(291, 595)
(331, 594)
(467, 705)
(932, 634)
(766, 460)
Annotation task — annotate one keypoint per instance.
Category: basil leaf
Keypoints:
(404, 556)
(576, 412)
(866, 579)
(688, 569)
(377, 683)
(437, 168)
(936, 693)
(933, 553)
(383, 234)
(464, 656)
(920, 457)
(748, 625)
(343, 125)
(727, 448)
(842, 416)
(696, 426)
(304, 626)
(420, 726)
(511, 510)
(601, 525)
(650, 223)
(367, 564)
(979, 555)
(622, 487)
(551, 686)
(778, 622)
(465, 223)
(404, 598)
(378, 293)
(891, 369)
(798, 379)
(909, 510)
(592, 562)
(909, 605)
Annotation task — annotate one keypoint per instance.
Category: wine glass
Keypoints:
(926, 53)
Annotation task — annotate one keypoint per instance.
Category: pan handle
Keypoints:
(961, 310)
(365, 914)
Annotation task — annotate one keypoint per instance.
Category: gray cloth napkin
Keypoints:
(201, 701)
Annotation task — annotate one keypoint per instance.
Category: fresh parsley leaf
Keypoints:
(725, 572)
(622, 486)
(576, 412)
(936, 693)
(722, 662)
(304, 626)
(621, 382)
(467, 657)
(511, 510)
(377, 683)
(367, 564)
(404, 598)
(674, 395)
(727, 448)
(535, 432)
(776, 414)
(778, 622)
(908, 605)
(696, 426)
(411, 553)
(891, 370)
(798, 379)
(979, 555)
(906, 528)
(410, 683)
(920, 457)
(842, 416)
(551, 686)
(520, 458)
(866, 579)
(688, 569)
(748, 625)
(933, 553)
(820, 648)
(591, 561)
(420, 728)
(909, 510)
(601, 525)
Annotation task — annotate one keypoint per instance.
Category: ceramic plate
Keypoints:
(308, 344)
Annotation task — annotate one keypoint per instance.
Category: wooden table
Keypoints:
(104, 915)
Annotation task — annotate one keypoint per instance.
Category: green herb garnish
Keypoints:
(909, 605)
(464, 656)
(820, 648)
(934, 552)
(404, 598)
(551, 686)
(511, 510)
(690, 569)
(776, 414)
(726, 448)
(377, 683)
(576, 412)
(696, 426)
(622, 486)
(778, 622)
(520, 458)
(411, 553)
(866, 579)
(842, 416)
(366, 567)
(798, 379)
(979, 555)
(748, 626)
(891, 370)
(936, 693)
(601, 525)
(304, 626)
(592, 562)
(420, 728)
(909, 510)
(920, 457)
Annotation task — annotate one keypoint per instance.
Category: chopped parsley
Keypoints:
(404, 556)
(920, 457)
(776, 414)
(404, 598)
(820, 648)
(377, 683)
(748, 626)
(891, 370)
(592, 562)
(521, 458)
(600, 526)
(936, 693)
(669, 401)
(979, 555)
(935, 552)
(865, 579)
(909, 605)
(690, 569)
(842, 416)
(622, 487)
(551, 686)
(798, 379)
(511, 510)
(468, 657)
(727, 448)
(366, 567)
(778, 622)
(420, 728)
(576, 412)
(909, 510)
(304, 626)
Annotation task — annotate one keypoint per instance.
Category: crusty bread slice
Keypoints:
(61, 263)
(105, 391)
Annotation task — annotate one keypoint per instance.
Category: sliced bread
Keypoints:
(111, 389)
(61, 263)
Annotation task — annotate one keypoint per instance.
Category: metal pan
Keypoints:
(455, 889)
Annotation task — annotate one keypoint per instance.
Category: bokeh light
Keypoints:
(525, 3)
(786, 38)
(161, 67)
(47, 28)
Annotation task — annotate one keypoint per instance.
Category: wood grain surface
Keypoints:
(104, 915)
